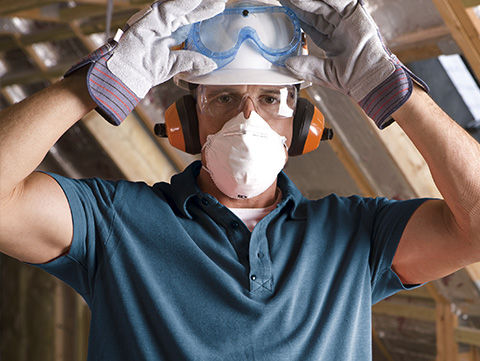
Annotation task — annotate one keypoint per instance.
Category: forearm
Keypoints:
(452, 155)
(30, 128)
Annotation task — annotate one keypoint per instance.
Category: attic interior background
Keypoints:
(42, 319)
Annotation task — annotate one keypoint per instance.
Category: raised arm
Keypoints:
(35, 223)
(442, 236)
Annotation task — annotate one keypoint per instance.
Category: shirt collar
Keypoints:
(292, 197)
(184, 187)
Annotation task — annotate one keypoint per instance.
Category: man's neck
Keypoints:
(263, 200)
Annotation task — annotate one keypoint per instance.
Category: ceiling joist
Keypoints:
(464, 25)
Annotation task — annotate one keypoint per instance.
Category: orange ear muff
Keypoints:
(308, 128)
(181, 125)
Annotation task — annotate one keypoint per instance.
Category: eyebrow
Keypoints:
(235, 90)
(216, 91)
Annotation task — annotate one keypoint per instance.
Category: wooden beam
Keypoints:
(470, 3)
(7, 43)
(474, 18)
(103, 2)
(409, 160)
(464, 27)
(7, 8)
(117, 3)
(419, 37)
(38, 74)
(119, 19)
(57, 34)
(416, 53)
(344, 155)
(412, 311)
(447, 322)
(67, 14)
(473, 271)
(180, 160)
(131, 148)
(30, 76)
(421, 44)
(472, 355)
(467, 335)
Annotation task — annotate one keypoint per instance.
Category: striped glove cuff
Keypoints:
(115, 101)
(390, 95)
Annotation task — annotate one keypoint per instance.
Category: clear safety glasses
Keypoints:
(227, 101)
(274, 30)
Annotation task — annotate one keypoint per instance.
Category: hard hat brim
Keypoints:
(278, 76)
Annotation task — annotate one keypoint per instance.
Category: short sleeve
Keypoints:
(389, 221)
(93, 213)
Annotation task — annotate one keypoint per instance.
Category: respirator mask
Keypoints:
(245, 156)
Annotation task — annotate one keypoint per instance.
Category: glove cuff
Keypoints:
(115, 101)
(390, 95)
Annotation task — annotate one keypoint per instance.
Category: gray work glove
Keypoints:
(123, 70)
(357, 63)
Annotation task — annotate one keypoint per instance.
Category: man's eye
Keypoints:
(270, 100)
(224, 99)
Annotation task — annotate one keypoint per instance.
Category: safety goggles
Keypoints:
(274, 30)
(227, 101)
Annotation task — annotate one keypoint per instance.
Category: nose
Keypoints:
(247, 107)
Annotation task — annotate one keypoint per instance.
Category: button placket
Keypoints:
(260, 264)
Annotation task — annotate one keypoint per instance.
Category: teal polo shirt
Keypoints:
(169, 273)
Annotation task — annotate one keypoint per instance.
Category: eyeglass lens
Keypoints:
(228, 101)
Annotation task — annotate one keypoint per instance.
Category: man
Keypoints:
(170, 272)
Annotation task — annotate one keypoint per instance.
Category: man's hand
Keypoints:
(123, 70)
(357, 62)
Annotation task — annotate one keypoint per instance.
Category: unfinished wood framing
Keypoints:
(396, 309)
(132, 148)
(464, 26)
(419, 45)
(469, 336)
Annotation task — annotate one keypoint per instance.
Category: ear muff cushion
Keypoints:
(182, 125)
(308, 127)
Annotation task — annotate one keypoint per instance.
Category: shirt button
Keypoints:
(205, 201)
(253, 277)
(234, 224)
(260, 255)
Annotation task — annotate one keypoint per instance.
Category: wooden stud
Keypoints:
(464, 28)
(447, 321)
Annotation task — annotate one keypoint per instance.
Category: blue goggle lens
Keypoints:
(274, 30)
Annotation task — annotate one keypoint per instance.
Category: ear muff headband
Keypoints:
(181, 127)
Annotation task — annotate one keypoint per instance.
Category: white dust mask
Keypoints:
(245, 156)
